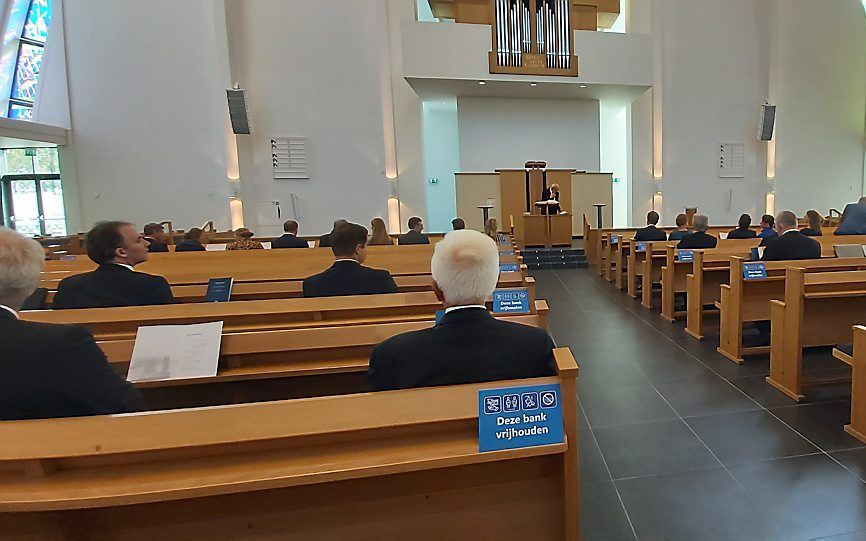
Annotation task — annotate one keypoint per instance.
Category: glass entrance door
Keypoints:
(33, 204)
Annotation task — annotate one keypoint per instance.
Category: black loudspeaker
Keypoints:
(237, 100)
(767, 123)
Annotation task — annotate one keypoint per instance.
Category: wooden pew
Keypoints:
(674, 273)
(243, 316)
(277, 365)
(292, 468)
(857, 361)
(703, 286)
(819, 308)
(743, 301)
(651, 272)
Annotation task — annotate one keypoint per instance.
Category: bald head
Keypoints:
(21, 261)
(785, 221)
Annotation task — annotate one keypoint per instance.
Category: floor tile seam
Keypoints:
(824, 451)
(672, 472)
(607, 469)
(818, 451)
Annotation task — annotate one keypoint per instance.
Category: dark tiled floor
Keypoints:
(677, 442)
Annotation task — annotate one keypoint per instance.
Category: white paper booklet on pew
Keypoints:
(165, 352)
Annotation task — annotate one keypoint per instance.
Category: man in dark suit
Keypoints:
(48, 370)
(853, 221)
(116, 247)
(699, 239)
(650, 232)
(154, 234)
(743, 230)
(791, 243)
(414, 235)
(325, 240)
(468, 345)
(290, 239)
(347, 276)
(551, 194)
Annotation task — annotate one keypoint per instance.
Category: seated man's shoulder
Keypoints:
(405, 341)
(46, 335)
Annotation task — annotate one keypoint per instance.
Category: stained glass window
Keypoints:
(28, 67)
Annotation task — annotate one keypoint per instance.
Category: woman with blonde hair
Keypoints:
(379, 236)
(491, 229)
(243, 241)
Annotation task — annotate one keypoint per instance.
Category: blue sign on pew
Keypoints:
(614, 240)
(511, 301)
(439, 315)
(516, 417)
(640, 247)
(506, 252)
(509, 267)
(754, 271)
(686, 255)
(219, 290)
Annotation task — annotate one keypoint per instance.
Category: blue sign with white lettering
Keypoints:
(509, 267)
(511, 301)
(219, 290)
(640, 247)
(754, 271)
(519, 417)
(614, 240)
(506, 252)
(686, 255)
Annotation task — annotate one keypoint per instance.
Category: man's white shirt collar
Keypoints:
(14, 313)
(452, 308)
(346, 259)
(790, 230)
(124, 265)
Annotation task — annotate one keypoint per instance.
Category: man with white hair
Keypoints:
(48, 370)
(791, 243)
(700, 238)
(468, 345)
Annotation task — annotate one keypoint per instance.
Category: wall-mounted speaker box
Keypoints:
(238, 113)
(768, 121)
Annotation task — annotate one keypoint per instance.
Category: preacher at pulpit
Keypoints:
(550, 194)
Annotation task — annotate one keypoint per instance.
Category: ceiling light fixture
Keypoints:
(582, 86)
(533, 84)
(482, 83)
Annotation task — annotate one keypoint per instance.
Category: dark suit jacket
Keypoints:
(112, 285)
(56, 371)
(809, 232)
(650, 233)
(547, 196)
(697, 240)
(155, 245)
(325, 241)
(853, 221)
(189, 245)
(467, 346)
(791, 245)
(289, 241)
(413, 237)
(742, 233)
(349, 278)
(678, 235)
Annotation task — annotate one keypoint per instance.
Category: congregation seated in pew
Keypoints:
(191, 241)
(681, 230)
(650, 232)
(700, 238)
(348, 275)
(325, 240)
(813, 224)
(743, 230)
(414, 235)
(117, 248)
(791, 244)
(244, 241)
(379, 235)
(468, 345)
(154, 234)
(290, 238)
(48, 370)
